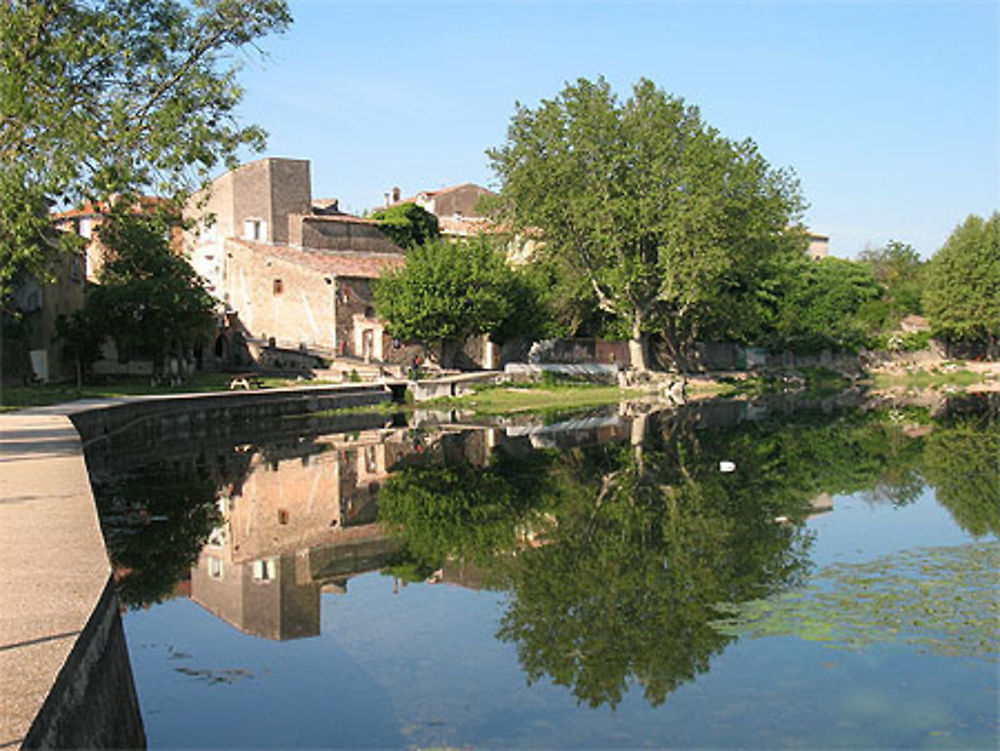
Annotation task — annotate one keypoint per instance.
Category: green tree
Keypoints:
(155, 526)
(149, 300)
(898, 268)
(962, 298)
(449, 291)
(669, 223)
(408, 225)
(114, 96)
(822, 304)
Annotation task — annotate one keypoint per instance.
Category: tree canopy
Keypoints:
(407, 224)
(149, 300)
(449, 291)
(114, 96)
(962, 296)
(898, 268)
(672, 225)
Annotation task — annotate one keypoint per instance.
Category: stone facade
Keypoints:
(293, 272)
(36, 354)
(303, 297)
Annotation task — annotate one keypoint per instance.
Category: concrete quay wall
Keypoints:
(65, 677)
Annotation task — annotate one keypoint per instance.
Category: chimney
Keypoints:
(395, 194)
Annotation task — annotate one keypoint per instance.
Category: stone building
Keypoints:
(86, 222)
(31, 349)
(819, 246)
(295, 271)
(456, 208)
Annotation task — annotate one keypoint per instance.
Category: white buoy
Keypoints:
(727, 466)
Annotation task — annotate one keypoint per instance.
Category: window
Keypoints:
(255, 229)
(278, 287)
(282, 516)
(264, 570)
(215, 567)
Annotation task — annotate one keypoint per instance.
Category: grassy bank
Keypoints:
(21, 397)
(501, 400)
(922, 379)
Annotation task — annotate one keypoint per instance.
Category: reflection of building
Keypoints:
(301, 523)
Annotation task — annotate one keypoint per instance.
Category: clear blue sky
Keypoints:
(889, 112)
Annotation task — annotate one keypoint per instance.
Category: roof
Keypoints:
(439, 191)
(359, 264)
(339, 219)
(100, 209)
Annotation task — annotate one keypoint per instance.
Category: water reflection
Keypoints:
(615, 535)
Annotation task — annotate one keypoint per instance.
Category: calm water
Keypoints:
(592, 582)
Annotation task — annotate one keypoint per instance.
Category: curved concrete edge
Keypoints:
(65, 679)
(93, 703)
(53, 556)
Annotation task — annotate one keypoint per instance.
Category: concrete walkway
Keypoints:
(53, 558)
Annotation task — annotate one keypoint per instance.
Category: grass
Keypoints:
(501, 400)
(925, 379)
(21, 397)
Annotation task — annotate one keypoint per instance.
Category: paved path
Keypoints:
(52, 556)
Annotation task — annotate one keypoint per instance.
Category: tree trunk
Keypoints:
(637, 346)
(449, 352)
(640, 424)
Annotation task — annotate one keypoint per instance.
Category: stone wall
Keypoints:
(337, 233)
(278, 298)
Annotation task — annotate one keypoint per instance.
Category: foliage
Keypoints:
(822, 304)
(452, 509)
(898, 268)
(113, 96)
(451, 290)
(408, 225)
(149, 300)
(962, 462)
(942, 600)
(910, 341)
(962, 298)
(670, 224)
(155, 527)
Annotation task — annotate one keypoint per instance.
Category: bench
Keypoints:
(246, 382)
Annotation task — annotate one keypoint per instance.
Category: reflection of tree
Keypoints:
(639, 553)
(962, 462)
(623, 552)
(155, 523)
(453, 509)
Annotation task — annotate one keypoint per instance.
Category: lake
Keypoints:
(768, 574)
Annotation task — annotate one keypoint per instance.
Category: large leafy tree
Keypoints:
(114, 96)
(452, 290)
(672, 225)
(962, 298)
(149, 300)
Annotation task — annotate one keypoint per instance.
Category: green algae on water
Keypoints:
(943, 600)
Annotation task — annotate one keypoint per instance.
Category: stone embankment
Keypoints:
(65, 678)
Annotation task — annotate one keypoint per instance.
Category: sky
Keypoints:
(888, 112)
